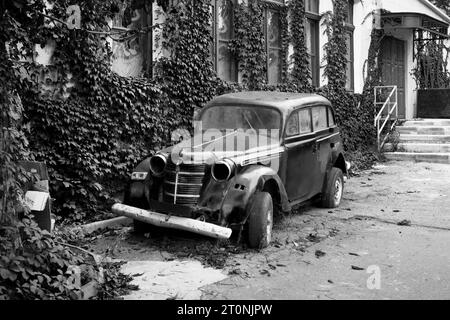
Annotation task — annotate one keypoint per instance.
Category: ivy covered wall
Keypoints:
(94, 125)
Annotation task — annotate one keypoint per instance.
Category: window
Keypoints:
(299, 123)
(319, 116)
(133, 57)
(312, 39)
(350, 49)
(305, 121)
(292, 126)
(331, 122)
(224, 61)
(273, 42)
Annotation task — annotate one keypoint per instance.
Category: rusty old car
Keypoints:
(255, 154)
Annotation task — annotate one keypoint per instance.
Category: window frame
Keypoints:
(349, 32)
(275, 6)
(313, 17)
(296, 113)
(276, 9)
(331, 112)
(216, 40)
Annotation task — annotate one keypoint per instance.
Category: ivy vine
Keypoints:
(301, 73)
(336, 47)
(249, 43)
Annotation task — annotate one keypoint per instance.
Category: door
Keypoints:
(301, 167)
(393, 69)
(327, 136)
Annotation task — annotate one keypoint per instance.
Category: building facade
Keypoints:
(406, 24)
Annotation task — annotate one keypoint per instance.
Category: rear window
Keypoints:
(331, 121)
(319, 115)
(305, 121)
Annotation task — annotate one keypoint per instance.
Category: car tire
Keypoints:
(334, 189)
(260, 221)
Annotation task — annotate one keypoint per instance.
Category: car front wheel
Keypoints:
(260, 220)
(334, 189)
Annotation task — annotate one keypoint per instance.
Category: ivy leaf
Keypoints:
(5, 274)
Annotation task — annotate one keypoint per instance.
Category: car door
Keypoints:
(327, 134)
(301, 164)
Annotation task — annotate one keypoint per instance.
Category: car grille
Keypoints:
(182, 184)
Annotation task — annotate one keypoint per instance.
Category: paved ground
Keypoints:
(356, 252)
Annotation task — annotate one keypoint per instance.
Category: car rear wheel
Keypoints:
(260, 220)
(334, 189)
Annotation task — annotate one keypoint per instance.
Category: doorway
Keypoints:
(394, 69)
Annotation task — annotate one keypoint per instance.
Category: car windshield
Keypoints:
(240, 117)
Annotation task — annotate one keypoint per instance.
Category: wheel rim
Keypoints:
(269, 226)
(338, 191)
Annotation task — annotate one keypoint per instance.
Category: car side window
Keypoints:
(319, 118)
(292, 126)
(305, 121)
(331, 122)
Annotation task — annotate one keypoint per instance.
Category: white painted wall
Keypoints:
(365, 18)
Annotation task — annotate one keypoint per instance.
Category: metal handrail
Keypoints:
(390, 111)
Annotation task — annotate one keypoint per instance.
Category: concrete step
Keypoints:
(424, 130)
(416, 138)
(427, 122)
(419, 157)
(419, 147)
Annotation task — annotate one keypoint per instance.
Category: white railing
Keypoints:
(386, 104)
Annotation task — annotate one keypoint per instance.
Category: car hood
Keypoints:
(237, 145)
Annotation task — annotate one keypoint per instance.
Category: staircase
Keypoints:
(426, 140)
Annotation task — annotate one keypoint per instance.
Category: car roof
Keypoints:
(283, 101)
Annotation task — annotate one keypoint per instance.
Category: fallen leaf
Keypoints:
(320, 254)
(357, 268)
(404, 223)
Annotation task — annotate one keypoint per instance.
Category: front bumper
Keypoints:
(173, 222)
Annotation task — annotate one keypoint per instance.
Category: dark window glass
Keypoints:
(274, 46)
(225, 61)
(350, 49)
(312, 6)
(350, 63)
(312, 45)
(349, 16)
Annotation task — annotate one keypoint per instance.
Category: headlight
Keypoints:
(158, 165)
(223, 170)
(139, 176)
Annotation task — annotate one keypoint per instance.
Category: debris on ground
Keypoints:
(265, 272)
(405, 223)
(357, 268)
(320, 254)
(313, 238)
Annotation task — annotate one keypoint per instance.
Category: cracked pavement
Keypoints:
(394, 218)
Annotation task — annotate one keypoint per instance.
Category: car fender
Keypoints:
(338, 160)
(242, 188)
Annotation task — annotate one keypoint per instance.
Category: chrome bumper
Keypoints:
(173, 222)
